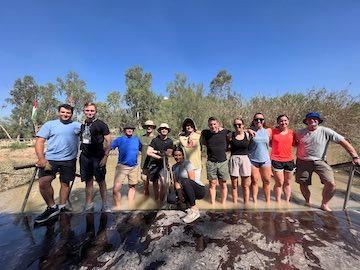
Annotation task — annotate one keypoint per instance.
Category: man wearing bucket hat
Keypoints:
(127, 169)
(312, 143)
(159, 147)
(145, 139)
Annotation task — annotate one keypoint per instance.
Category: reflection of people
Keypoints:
(190, 142)
(184, 176)
(282, 160)
(129, 146)
(145, 139)
(93, 156)
(159, 148)
(216, 141)
(259, 157)
(312, 143)
(239, 163)
(62, 147)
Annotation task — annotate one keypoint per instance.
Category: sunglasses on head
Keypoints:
(259, 120)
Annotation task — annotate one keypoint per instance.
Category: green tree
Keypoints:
(220, 86)
(139, 97)
(75, 91)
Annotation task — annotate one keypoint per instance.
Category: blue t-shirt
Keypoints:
(62, 139)
(128, 149)
(259, 146)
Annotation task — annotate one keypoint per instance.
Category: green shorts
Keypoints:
(305, 168)
(217, 170)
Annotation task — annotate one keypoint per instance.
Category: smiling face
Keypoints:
(64, 114)
(178, 156)
(214, 125)
(90, 111)
(312, 123)
(283, 122)
(149, 129)
(129, 132)
(238, 125)
(259, 120)
(189, 129)
(164, 132)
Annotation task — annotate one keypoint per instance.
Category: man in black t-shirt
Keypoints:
(159, 147)
(94, 156)
(216, 141)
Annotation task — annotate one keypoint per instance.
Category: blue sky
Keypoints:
(269, 47)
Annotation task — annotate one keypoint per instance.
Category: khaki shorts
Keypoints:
(240, 165)
(123, 172)
(217, 170)
(305, 168)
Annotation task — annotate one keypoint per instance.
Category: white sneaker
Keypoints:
(182, 214)
(191, 216)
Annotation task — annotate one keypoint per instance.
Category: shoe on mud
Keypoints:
(191, 216)
(89, 207)
(105, 208)
(47, 214)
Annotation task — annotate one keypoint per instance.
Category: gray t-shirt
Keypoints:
(312, 145)
(181, 170)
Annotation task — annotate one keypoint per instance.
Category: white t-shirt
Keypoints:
(181, 171)
(312, 145)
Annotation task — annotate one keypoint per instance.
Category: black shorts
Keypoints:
(287, 166)
(66, 169)
(155, 171)
(90, 168)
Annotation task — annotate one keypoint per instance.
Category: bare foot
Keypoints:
(116, 208)
(308, 204)
(325, 207)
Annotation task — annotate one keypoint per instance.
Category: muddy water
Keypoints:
(160, 240)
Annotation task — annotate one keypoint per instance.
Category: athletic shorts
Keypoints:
(261, 164)
(66, 169)
(217, 170)
(305, 168)
(123, 172)
(240, 165)
(90, 168)
(279, 166)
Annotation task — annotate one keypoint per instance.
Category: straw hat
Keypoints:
(164, 125)
(149, 123)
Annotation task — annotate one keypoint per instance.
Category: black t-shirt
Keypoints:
(239, 147)
(216, 144)
(94, 147)
(159, 145)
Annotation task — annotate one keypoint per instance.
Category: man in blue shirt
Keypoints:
(62, 138)
(127, 168)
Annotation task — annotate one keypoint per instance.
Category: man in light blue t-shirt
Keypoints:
(62, 136)
(312, 143)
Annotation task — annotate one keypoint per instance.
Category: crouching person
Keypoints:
(193, 189)
(127, 168)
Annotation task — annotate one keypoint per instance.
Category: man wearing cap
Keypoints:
(127, 168)
(312, 143)
(159, 147)
(190, 143)
(145, 139)
(94, 155)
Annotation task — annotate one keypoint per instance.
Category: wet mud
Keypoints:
(161, 240)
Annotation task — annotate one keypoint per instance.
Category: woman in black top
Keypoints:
(239, 164)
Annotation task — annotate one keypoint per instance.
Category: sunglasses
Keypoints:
(259, 120)
(89, 110)
(238, 125)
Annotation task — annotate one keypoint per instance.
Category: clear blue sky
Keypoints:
(269, 47)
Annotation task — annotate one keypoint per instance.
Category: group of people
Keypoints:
(250, 159)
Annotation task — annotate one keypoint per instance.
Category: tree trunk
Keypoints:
(7, 134)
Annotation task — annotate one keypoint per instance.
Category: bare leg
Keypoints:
(245, 184)
(279, 181)
(266, 176)
(64, 192)
(117, 195)
(286, 186)
(255, 175)
(156, 190)
(161, 189)
(103, 191)
(131, 193)
(223, 191)
(234, 190)
(145, 178)
(305, 192)
(46, 190)
(212, 191)
(89, 190)
(328, 193)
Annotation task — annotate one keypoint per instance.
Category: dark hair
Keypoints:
(179, 149)
(67, 107)
(87, 104)
(279, 117)
(264, 123)
(212, 118)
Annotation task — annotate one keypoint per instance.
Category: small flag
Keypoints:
(34, 111)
